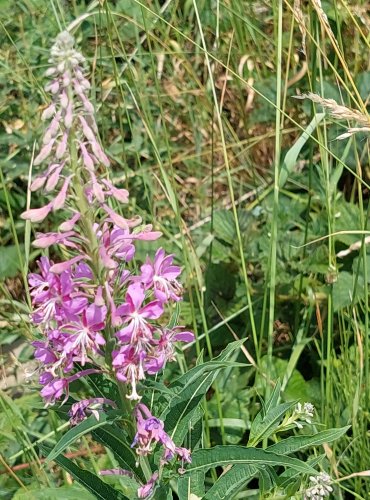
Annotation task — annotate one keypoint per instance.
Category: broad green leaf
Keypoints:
(229, 483)
(75, 433)
(90, 481)
(63, 492)
(228, 455)
(343, 290)
(290, 475)
(9, 261)
(263, 427)
(291, 157)
(191, 485)
(114, 438)
(296, 443)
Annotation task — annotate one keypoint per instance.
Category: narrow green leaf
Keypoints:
(226, 455)
(297, 443)
(75, 433)
(195, 372)
(114, 438)
(291, 157)
(180, 413)
(87, 479)
(231, 482)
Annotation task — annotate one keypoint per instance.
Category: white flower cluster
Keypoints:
(304, 413)
(320, 487)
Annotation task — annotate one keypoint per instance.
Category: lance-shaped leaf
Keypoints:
(179, 414)
(296, 443)
(115, 439)
(229, 455)
(231, 482)
(90, 481)
(75, 433)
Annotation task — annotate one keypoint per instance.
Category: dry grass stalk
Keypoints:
(337, 111)
(298, 16)
(340, 112)
(324, 19)
(355, 246)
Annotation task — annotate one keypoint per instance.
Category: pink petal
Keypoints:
(62, 146)
(184, 337)
(38, 183)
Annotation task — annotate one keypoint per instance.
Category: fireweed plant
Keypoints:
(99, 316)
(84, 302)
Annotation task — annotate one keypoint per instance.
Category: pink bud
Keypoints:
(66, 79)
(64, 99)
(53, 87)
(119, 194)
(44, 153)
(88, 133)
(45, 240)
(146, 234)
(62, 146)
(61, 66)
(87, 104)
(37, 214)
(64, 266)
(69, 224)
(38, 183)
(61, 196)
(120, 221)
(68, 118)
(54, 178)
(88, 161)
(52, 129)
(48, 112)
(99, 153)
(50, 72)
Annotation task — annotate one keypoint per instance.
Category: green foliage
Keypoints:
(157, 116)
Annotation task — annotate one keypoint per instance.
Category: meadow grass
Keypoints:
(196, 110)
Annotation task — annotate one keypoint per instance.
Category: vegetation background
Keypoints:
(264, 208)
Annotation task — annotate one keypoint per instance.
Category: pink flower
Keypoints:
(85, 336)
(128, 364)
(147, 489)
(161, 275)
(80, 411)
(135, 314)
(56, 296)
(56, 387)
(163, 348)
(150, 430)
